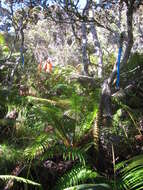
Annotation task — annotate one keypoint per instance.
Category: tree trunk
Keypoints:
(97, 47)
(84, 49)
(84, 39)
(106, 87)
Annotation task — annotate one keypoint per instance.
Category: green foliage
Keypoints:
(130, 173)
(2, 40)
(109, 60)
(56, 114)
(101, 186)
(135, 60)
(78, 174)
(87, 123)
(74, 154)
(9, 153)
(70, 118)
(3, 110)
(66, 135)
(18, 179)
(40, 145)
(56, 83)
(56, 123)
(133, 70)
(118, 122)
(129, 111)
(94, 60)
(4, 50)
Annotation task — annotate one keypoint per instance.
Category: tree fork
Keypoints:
(106, 87)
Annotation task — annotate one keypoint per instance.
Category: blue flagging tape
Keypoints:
(22, 57)
(118, 67)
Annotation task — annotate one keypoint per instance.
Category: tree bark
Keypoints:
(97, 47)
(129, 45)
(106, 87)
(84, 39)
(84, 49)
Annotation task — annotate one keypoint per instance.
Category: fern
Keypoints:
(129, 112)
(59, 103)
(85, 126)
(130, 174)
(76, 175)
(41, 144)
(54, 150)
(74, 154)
(96, 127)
(102, 186)
(69, 153)
(18, 179)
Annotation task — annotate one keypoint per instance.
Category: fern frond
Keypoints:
(70, 153)
(96, 127)
(18, 179)
(74, 154)
(40, 112)
(74, 176)
(55, 149)
(59, 103)
(41, 144)
(86, 124)
(90, 187)
(131, 173)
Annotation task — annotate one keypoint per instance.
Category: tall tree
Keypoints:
(84, 39)
(106, 87)
(97, 47)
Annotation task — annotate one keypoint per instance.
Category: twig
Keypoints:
(113, 157)
(15, 172)
(138, 67)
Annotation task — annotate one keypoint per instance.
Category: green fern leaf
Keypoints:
(18, 179)
(96, 128)
(86, 125)
(101, 186)
(41, 144)
(131, 173)
(76, 175)
(74, 154)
